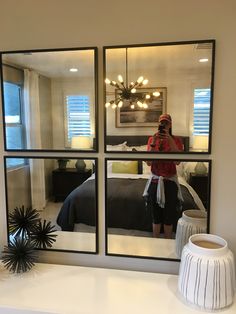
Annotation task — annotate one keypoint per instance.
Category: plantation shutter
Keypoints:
(201, 113)
(78, 116)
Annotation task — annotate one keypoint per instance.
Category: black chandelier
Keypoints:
(130, 93)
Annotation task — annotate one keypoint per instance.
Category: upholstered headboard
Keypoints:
(137, 140)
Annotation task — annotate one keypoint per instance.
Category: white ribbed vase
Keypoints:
(192, 221)
(207, 272)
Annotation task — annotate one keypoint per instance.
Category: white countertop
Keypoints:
(49, 288)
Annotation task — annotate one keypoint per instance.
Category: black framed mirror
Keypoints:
(63, 190)
(142, 82)
(50, 99)
(142, 223)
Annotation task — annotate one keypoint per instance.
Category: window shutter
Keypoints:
(78, 116)
(201, 113)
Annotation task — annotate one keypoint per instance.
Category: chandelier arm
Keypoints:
(126, 68)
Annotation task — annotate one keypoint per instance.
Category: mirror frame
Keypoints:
(95, 143)
(96, 196)
(212, 41)
(151, 158)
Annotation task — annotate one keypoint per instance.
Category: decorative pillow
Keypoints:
(146, 168)
(141, 148)
(125, 167)
(119, 147)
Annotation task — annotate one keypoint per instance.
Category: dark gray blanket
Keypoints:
(79, 207)
(125, 206)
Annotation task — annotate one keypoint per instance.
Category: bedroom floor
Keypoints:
(50, 214)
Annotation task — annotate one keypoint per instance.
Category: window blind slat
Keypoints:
(201, 111)
(78, 116)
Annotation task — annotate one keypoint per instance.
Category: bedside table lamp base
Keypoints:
(80, 165)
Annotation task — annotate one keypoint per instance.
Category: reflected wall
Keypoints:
(63, 190)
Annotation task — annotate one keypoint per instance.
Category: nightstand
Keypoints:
(65, 181)
(199, 183)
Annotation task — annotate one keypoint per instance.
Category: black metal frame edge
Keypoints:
(106, 223)
(213, 41)
(95, 49)
(96, 186)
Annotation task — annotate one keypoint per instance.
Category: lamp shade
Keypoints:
(81, 142)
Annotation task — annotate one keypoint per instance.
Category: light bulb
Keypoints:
(145, 105)
(120, 104)
(145, 82)
(114, 106)
(107, 81)
(140, 104)
(132, 106)
(156, 94)
(148, 96)
(120, 79)
(73, 70)
(107, 104)
(203, 60)
(133, 90)
(113, 83)
(140, 79)
(132, 84)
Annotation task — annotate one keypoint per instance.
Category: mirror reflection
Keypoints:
(63, 190)
(143, 82)
(154, 205)
(49, 99)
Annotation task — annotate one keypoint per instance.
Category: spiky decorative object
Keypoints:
(22, 220)
(27, 232)
(42, 236)
(19, 256)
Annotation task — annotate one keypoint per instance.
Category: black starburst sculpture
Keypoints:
(22, 220)
(27, 233)
(19, 256)
(42, 236)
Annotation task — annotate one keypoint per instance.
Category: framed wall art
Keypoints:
(141, 116)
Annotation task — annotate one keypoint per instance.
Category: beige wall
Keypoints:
(18, 187)
(45, 100)
(30, 24)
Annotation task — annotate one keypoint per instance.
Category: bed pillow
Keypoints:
(119, 147)
(125, 167)
(146, 168)
(141, 148)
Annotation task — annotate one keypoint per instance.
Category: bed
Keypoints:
(139, 142)
(79, 206)
(125, 205)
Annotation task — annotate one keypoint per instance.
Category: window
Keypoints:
(77, 117)
(201, 111)
(15, 137)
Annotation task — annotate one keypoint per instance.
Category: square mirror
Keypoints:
(143, 82)
(49, 99)
(63, 191)
(152, 216)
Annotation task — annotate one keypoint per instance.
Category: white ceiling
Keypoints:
(56, 64)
